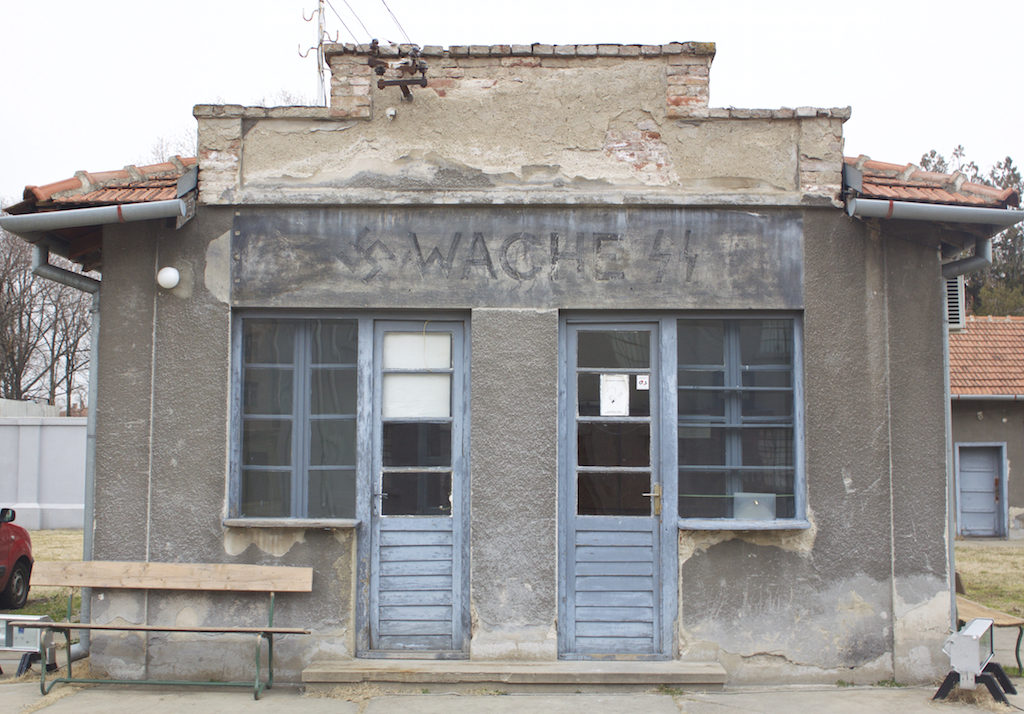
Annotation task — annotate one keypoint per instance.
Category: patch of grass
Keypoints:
(993, 574)
(889, 683)
(844, 683)
(54, 604)
(666, 689)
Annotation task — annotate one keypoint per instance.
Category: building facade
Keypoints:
(987, 386)
(553, 362)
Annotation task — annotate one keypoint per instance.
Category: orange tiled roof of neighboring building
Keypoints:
(907, 182)
(987, 357)
(132, 184)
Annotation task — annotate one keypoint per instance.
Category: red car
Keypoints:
(15, 562)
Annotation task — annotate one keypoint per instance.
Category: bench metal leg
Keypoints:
(1020, 634)
(259, 685)
(43, 688)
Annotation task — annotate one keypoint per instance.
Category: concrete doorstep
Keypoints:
(554, 676)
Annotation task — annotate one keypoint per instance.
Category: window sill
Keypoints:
(728, 524)
(327, 523)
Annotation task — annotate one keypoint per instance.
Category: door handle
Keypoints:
(655, 496)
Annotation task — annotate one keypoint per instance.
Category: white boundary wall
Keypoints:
(42, 470)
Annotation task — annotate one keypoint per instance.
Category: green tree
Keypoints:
(999, 290)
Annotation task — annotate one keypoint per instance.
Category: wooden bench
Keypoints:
(209, 577)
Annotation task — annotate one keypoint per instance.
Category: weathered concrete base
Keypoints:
(518, 676)
(515, 643)
(921, 628)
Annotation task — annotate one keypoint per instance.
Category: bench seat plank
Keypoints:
(173, 576)
(969, 609)
(158, 628)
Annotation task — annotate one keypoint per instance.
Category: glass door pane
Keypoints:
(416, 428)
(613, 422)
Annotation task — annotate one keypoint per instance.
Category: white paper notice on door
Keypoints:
(614, 395)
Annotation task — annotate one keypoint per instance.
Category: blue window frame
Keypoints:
(296, 403)
(739, 423)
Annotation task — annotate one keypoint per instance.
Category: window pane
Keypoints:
(332, 442)
(767, 447)
(614, 494)
(614, 349)
(589, 396)
(701, 446)
(768, 404)
(701, 341)
(417, 494)
(334, 342)
(332, 391)
(268, 341)
(751, 495)
(706, 403)
(332, 493)
(703, 494)
(776, 484)
(613, 444)
(782, 378)
(267, 390)
(417, 396)
(766, 341)
(417, 444)
(267, 442)
(417, 350)
(266, 493)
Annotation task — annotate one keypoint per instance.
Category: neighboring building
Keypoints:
(986, 380)
(554, 362)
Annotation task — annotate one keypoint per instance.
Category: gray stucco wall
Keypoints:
(859, 595)
(514, 483)
(986, 422)
(875, 482)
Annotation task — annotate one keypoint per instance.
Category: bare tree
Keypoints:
(44, 331)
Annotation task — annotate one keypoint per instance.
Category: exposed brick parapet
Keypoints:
(687, 69)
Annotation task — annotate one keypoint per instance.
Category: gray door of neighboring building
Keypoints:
(981, 492)
(419, 584)
(611, 535)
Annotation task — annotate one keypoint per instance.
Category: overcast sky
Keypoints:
(94, 85)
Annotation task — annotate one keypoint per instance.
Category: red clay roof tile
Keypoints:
(987, 358)
(132, 184)
(909, 183)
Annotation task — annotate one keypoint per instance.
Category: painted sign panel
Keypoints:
(462, 257)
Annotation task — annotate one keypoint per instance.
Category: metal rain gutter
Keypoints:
(988, 397)
(911, 211)
(908, 210)
(99, 215)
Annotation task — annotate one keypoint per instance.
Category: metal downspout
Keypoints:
(41, 266)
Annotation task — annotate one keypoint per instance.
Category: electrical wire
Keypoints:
(354, 14)
(402, 29)
(347, 29)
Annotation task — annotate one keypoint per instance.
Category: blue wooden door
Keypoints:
(979, 487)
(613, 544)
(418, 567)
